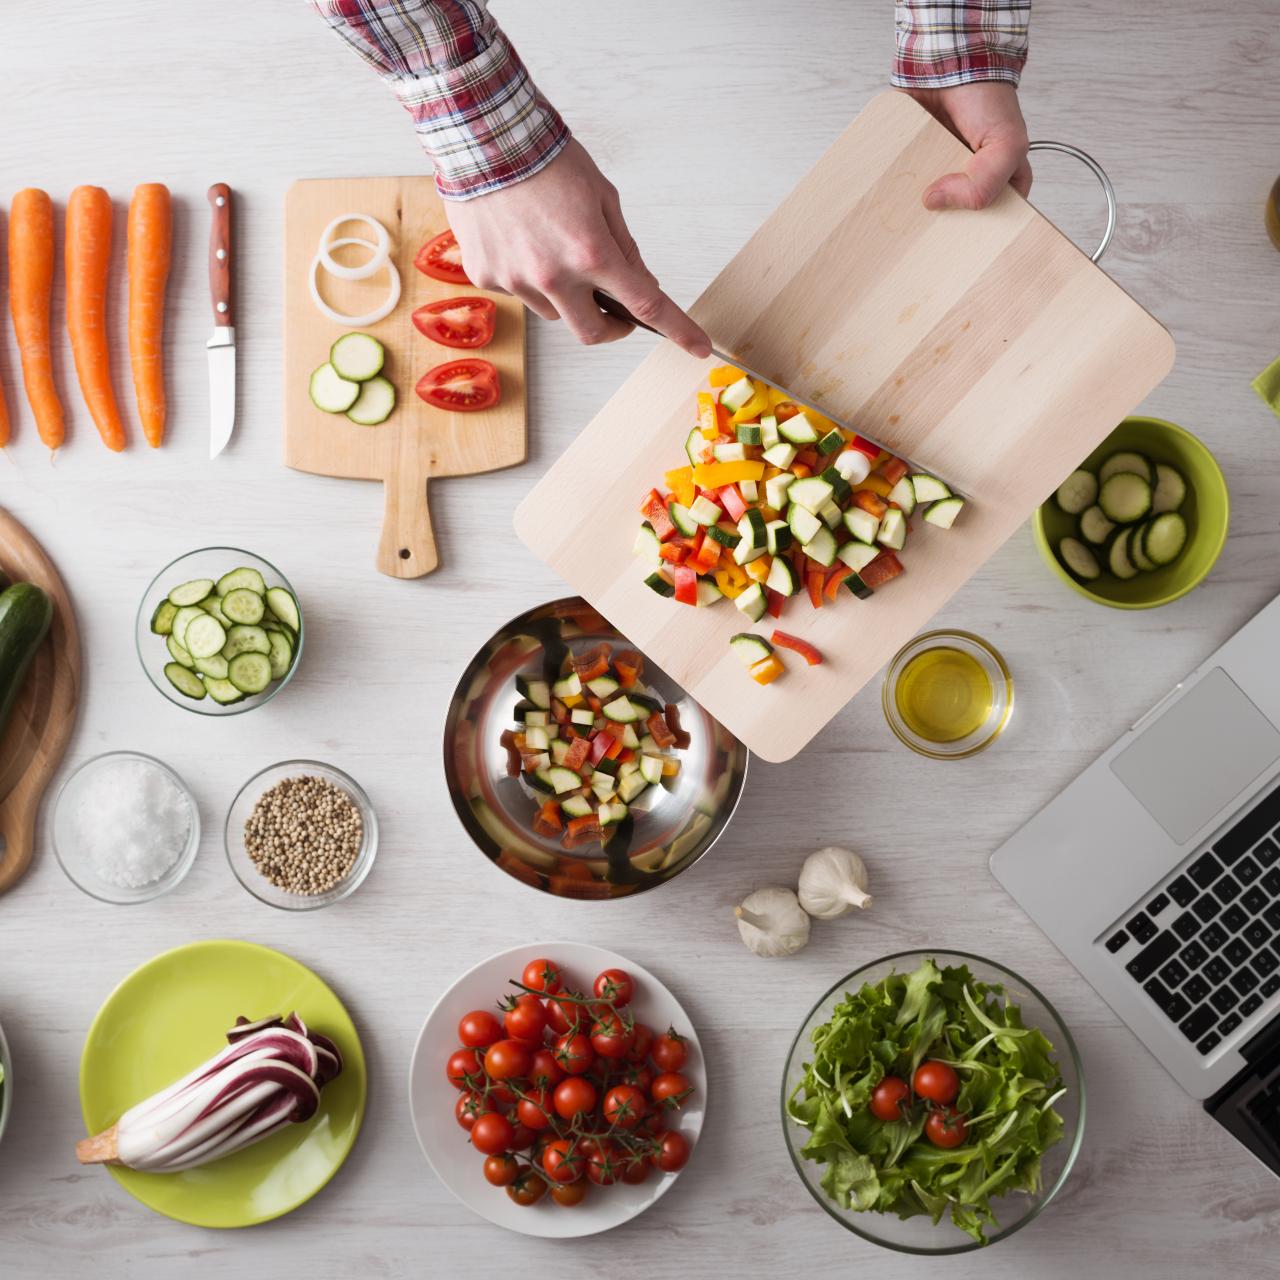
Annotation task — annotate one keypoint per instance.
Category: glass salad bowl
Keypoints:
(666, 830)
(155, 651)
(6, 1083)
(919, 1234)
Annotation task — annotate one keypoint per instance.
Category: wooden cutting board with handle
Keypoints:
(418, 442)
(983, 345)
(45, 712)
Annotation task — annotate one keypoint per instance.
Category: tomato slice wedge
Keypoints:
(465, 323)
(460, 386)
(441, 259)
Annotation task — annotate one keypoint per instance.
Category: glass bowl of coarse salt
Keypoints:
(125, 827)
(301, 835)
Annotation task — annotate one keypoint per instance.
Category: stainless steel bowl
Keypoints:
(688, 813)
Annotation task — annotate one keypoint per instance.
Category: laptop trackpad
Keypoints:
(1199, 755)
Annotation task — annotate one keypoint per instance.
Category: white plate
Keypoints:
(432, 1098)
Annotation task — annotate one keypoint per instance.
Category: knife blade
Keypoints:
(222, 345)
(611, 306)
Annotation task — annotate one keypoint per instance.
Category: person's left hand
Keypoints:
(986, 116)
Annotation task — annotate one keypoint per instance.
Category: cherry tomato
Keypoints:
(672, 1153)
(501, 1171)
(574, 1096)
(624, 1106)
(458, 322)
(635, 1170)
(527, 1021)
(936, 1082)
(544, 1070)
(441, 259)
(670, 1090)
(491, 1133)
(610, 1036)
(507, 1059)
(463, 1063)
(461, 386)
(479, 1029)
(534, 1109)
(638, 1076)
(604, 1164)
(469, 1107)
(889, 1099)
(500, 1094)
(615, 986)
(574, 1054)
(562, 1160)
(542, 975)
(522, 1137)
(564, 1016)
(641, 1042)
(669, 1052)
(946, 1127)
(528, 1188)
(569, 1193)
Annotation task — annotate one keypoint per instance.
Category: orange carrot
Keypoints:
(88, 262)
(150, 239)
(30, 287)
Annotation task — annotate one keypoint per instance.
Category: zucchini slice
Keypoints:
(943, 513)
(1125, 497)
(749, 649)
(205, 637)
(243, 606)
(929, 488)
(186, 682)
(285, 607)
(331, 392)
(1078, 559)
(374, 404)
(1078, 491)
(1165, 537)
(1118, 560)
(245, 577)
(250, 672)
(190, 593)
(357, 357)
(1094, 525)
(1170, 491)
(1136, 463)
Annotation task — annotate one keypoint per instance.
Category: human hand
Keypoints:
(984, 114)
(553, 238)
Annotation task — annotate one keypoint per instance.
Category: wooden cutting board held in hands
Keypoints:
(983, 345)
(417, 442)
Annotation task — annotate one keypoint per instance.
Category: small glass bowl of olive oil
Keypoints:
(947, 694)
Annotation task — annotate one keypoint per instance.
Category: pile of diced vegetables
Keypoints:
(592, 745)
(777, 500)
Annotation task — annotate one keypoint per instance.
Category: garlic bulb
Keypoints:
(832, 882)
(772, 922)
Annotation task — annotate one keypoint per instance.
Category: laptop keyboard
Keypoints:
(1206, 946)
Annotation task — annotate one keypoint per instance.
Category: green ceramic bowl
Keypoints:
(1207, 511)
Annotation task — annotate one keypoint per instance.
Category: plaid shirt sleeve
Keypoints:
(941, 43)
(477, 114)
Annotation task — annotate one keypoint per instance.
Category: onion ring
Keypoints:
(355, 322)
(381, 251)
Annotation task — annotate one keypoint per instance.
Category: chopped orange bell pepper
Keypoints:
(708, 419)
(724, 375)
(767, 670)
(759, 568)
(715, 475)
(680, 482)
(877, 484)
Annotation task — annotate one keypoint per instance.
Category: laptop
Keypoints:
(1157, 874)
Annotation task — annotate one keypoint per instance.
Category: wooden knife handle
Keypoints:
(220, 255)
(612, 307)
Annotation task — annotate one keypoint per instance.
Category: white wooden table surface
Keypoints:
(704, 114)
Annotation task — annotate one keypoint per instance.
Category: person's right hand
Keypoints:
(555, 237)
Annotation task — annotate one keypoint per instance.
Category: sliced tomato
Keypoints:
(461, 386)
(802, 647)
(884, 568)
(441, 259)
(465, 323)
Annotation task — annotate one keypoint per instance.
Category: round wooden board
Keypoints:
(40, 727)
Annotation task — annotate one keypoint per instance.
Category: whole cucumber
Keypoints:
(25, 615)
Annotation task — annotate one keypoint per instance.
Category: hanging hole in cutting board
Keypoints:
(405, 553)
(1071, 196)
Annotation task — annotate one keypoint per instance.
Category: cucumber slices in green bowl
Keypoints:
(227, 638)
(351, 381)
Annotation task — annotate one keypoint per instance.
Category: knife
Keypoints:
(611, 306)
(222, 346)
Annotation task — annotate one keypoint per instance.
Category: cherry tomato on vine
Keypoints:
(463, 1063)
(522, 1136)
(889, 1099)
(669, 1051)
(604, 1165)
(615, 986)
(574, 1054)
(479, 1029)
(528, 1188)
(624, 1106)
(641, 1042)
(936, 1082)
(573, 1097)
(635, 1170)
(610, 1036)
(562, 1160)
(501, 1170)
(672, 1153)
(527, 1020)
(569, 1194)
(670, 1090)
(542, 975)
(639, 1077)
(565, 1015)
(946, 1127)
(544, 1070)
(492, 1133)
(470, 1106)
(500, 1094)
(507, 1059)
(534, 1109)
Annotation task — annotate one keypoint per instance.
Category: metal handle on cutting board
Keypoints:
(1098, 172)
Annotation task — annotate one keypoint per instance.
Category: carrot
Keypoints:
(150, 240)
(30, 287)
(88, 262)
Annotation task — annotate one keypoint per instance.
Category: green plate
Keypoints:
(170, 1015)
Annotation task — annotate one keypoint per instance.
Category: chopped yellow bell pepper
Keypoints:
(708, 423)
(715, 475)
(680, 482)
(754, 407)
(731, 580)
(877, 484)
(571, 700)
(724, 375)
(767, 670)
(776, 397)
(759, 568)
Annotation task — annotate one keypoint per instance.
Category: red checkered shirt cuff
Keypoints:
(941, 44)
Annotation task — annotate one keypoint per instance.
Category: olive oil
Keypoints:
(944, 695)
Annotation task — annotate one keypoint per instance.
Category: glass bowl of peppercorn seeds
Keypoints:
(301, 835)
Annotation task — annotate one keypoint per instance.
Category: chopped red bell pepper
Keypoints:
(531, 760)
(686, 580)
(613, 729)
(707, 557)
(814, 582)
(548, 821)
(835, 577)
(731, 500)
(672, 716)
(628, 664)
(775, 602)
(722, 420)
(508, 740)
(894, 470)
(865, 446)
(660, 731)
(654, 510)
(559, 712)
(593, 663)
(599, 745)
(626, 754)
(576, 756)
(871, 502)
(673, 552)
(802, 647)
(884, 568)
(807, 458)
(785, 409)
(594, 703)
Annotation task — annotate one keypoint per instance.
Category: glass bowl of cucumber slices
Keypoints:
(219, 631)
